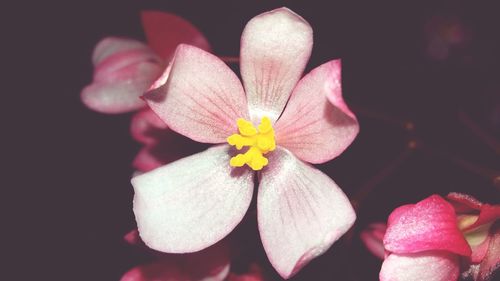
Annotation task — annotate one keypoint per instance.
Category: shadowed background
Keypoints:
(422, 79)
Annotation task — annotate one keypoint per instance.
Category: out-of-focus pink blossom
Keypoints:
(211, 264)
(480, 225)
(126, 68)
(437, 239)
(444, 36)
(192, 203)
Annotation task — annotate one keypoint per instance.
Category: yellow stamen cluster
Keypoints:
(260, 141)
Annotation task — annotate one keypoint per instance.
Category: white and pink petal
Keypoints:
(192, 203)
(205, 97)
(124, 70)
(275, 48)
(110, 46)
(121, 94)
(301, 212)
(428, 266)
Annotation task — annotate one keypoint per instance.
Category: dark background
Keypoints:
(68, 199)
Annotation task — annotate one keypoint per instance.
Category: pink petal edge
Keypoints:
(316, 125)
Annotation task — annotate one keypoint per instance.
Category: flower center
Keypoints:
(259, 141)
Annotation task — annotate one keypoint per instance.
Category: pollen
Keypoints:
(259, 141)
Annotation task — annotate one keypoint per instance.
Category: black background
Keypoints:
(68, 198)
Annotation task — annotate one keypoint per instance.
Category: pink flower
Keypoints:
(126, 68)
(431, 239)
(192, 203)
(211, 264)
(479, 223)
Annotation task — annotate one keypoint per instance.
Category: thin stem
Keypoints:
(385, 172)
(390, 120)
(476, 130)
(492, 175)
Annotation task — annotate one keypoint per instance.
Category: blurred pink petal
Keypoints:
(192, 203)
(314, 128)
(373, 237)
(110, 46)
(301, 212)
(254, 274)
(132, 237)
(146, 127)
(124, 70)
(165, 31)
(157, 271)
(428, 266)
(149, 159)
(275, 48)
(428, 225)
(211, 264)
(205, 97)
(463, 202)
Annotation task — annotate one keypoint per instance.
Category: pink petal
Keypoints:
(159, 270)
(110, 46)
(463, 202)
(428, 266)
(166, 31)
(205, 98)
(192, 203)
(479, 249)
(123, 72)
(162, 79)
(275, 48)
(491, 262)
(316, 125)
(467, 204)
(254, 274)
(428, 225)
(118, 66)
(488, 213)
(148, 159)
(301, 212)
(132, 237)
(211, 264)
(146, 127)
(372, 237)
